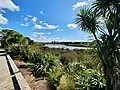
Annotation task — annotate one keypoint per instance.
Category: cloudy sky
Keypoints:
(43, 20)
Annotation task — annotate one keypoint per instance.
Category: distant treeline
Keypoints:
(54, 42)
(81, 44)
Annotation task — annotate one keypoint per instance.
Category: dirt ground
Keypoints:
(35, 84)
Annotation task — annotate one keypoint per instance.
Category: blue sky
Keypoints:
(43, 20)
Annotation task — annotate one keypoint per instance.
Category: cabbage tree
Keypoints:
(88, 20)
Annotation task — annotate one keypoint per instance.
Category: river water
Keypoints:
(64, 46)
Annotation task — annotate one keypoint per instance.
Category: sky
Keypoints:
(43, 20)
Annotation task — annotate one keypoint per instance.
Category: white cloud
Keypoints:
(42, 37)
(34, 19)
(3, 20)
(41, 12)
(34, 34)
(29, 16)
(72, 26)
(41, 33)
(59, 30)
(47, 26)
(38, 27)
(79, 4)
(40, 22)
(51, 27)
(25, 25)
(38, 33)
(54, 38)
(8, 4)
(26, 19)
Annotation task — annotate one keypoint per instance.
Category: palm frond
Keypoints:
(86, 20)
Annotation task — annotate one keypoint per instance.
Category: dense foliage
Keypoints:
(102, 20)
(63, 69)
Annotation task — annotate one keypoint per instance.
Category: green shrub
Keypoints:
(41, 63)
(13, 50)
(26, 53)
(66, 83)
(65, 60)
(53, 77)
(87, 78)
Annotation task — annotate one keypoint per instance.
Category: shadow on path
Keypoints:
(14, 80)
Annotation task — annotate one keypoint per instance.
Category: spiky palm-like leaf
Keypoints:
(104, 7)
(86, 20)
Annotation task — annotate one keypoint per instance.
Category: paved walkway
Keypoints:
(10, 76)
(5, 77)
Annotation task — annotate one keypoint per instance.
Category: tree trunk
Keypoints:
(112, 78)
(97, 40)
(111, 75)
(109, 85)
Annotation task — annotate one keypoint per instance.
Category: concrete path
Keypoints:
(10, 76)
(5, 77)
